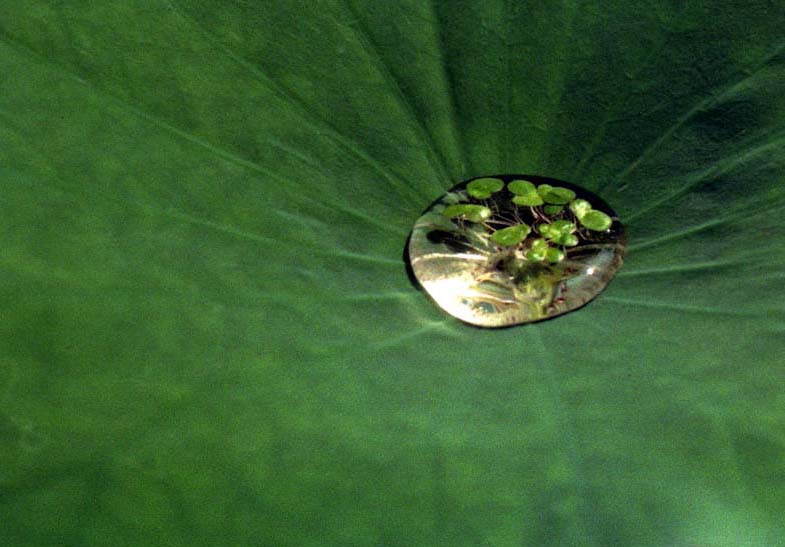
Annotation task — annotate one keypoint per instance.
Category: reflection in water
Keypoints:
(504, 250)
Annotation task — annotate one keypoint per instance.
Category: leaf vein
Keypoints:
(435, 157)
(304, 113)
(700, 106)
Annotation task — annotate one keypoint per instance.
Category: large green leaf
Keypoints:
(208, 333)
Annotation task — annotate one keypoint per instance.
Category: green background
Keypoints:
(207, 333)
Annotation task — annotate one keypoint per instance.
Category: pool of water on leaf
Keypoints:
(466, 271)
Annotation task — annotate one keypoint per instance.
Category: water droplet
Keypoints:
(523, 249)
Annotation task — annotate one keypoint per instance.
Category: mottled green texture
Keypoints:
(595, 220)
(208, 335)
(483, 188)
(472, 213)
(531, 200)
(522, 187)
(555, 194)
(525, 193)
(560, 232)
(580, 207)
(511, 235)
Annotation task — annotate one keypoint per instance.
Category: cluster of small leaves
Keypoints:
(590, 218)
(555, 234)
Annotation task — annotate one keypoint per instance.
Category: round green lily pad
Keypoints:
(472, 213)
(556, 195)
(528, 200)
(543, 189)
(522, 187)
(538, 250)
(544, 229)
(596, 220)
(484, 187)
(539, 245)
(562, 227)
(580, 207)
(554, 255)
(512, 235)
(567, 240)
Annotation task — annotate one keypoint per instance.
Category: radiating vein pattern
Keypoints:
(207, 329)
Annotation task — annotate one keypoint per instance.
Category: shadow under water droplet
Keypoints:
(408, 263)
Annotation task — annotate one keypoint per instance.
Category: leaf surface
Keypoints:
(208, 332)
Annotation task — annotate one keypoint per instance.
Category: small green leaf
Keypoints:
(484, 187)
(553, 209)
(554, 255)
(521, 187)
(559, 232)
(556, 195)
(580, 207)
(562, 227)
(543, 189)
(567, 240)
(530, 200)
(596, 220)
(512, 235)
(539, 246)
(472, 213)
(544, 229)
